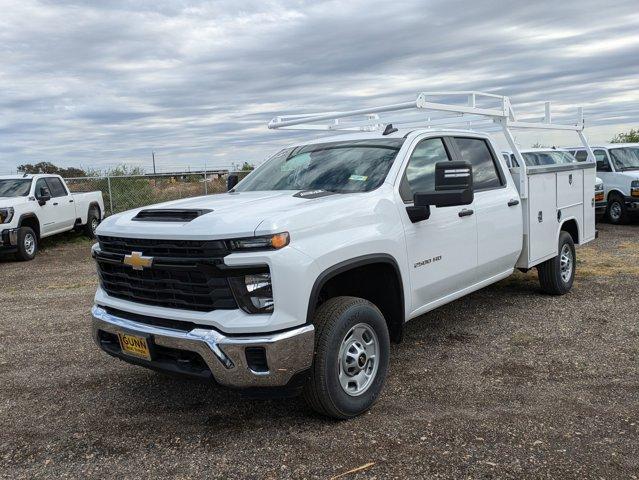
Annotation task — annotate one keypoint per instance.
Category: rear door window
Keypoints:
(477, 152)
(56, 187)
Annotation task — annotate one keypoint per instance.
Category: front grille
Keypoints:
(184, 273)
(164, 248)
(172, 288)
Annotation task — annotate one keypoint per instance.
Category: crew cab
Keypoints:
(302, 274)
(618, 167)
(33, 207)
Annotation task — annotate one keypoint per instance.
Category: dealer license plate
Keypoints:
(134, 345)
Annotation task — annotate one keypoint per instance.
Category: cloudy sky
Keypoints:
(99, 83)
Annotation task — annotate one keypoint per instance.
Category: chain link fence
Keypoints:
(122, 193)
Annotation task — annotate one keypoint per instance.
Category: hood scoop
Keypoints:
(169, 215)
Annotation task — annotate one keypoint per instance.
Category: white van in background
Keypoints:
(618, 167)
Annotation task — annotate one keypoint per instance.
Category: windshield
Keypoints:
(551, 157)
(343, 167)
(15, 187)
(626, 158)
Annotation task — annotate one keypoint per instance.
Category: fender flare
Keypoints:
(350, 264)
(25, 216)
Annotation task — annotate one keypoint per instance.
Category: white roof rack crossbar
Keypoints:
(500, 114)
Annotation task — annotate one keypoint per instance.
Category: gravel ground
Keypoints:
(504, 383)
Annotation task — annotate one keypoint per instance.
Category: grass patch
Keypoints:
(594, 262)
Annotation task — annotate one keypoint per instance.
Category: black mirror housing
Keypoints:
(231, 181)
(453, 186)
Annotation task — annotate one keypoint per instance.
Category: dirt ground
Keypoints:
(505, 383)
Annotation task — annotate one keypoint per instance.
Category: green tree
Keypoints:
(627, 137)
(247, 167)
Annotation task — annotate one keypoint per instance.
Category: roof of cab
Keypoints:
(400, 133)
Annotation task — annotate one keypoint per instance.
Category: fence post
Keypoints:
(110, 194)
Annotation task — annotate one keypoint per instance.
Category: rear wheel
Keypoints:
(27, 244)
(93, 220)
(617, 213)
(351, 357)
(557, 275)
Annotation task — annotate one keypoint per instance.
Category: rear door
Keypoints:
(442, 252)
(64, 211)
(497, 209)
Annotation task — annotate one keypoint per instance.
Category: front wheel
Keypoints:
(617, 213)
(557, 275)
(352, 348)
(27, 244)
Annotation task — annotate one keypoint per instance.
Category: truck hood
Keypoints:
(232, 215)
(12, 201)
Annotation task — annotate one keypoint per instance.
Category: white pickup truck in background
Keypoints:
(33, 207)
(302, 274)
(618, 167)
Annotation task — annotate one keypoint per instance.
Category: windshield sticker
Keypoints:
(358, 178)
(313, 194)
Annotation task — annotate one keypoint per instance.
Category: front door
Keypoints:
(442, 250)
(46, 213)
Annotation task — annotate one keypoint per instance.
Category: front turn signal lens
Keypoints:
(280, 240)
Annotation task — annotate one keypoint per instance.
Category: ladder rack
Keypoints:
(495, 111)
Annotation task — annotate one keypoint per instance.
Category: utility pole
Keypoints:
(153, 155)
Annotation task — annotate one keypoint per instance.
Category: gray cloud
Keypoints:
(100, 83)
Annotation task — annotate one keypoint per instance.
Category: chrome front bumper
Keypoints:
(287, 353)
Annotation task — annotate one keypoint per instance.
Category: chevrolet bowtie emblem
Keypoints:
(138, 261)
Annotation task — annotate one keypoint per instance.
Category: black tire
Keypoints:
(27, 244)
(93, 220)
(333, 320)
(616, 211)
(552, 278)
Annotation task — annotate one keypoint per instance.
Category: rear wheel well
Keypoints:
(31, 222)
(571, 227)
(95, 206)
(376, 280)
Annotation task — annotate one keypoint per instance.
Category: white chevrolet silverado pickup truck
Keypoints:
(33, 207)
(304, 272)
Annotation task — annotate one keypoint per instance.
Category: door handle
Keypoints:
(70, 201)
(513, 202)
(466, 213)
(55, 203)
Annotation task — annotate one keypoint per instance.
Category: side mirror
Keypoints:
(231, 181)
(44, 195)
(453, 186)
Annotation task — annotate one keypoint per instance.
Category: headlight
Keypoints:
(599, 187)
(634, 188)
(6, 214)
(253, 292)
(266, 242)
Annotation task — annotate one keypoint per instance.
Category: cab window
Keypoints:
(56, 187)
(477, 152)
(420, 172)
(603, 165)
(581, 155)
(40, 184)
